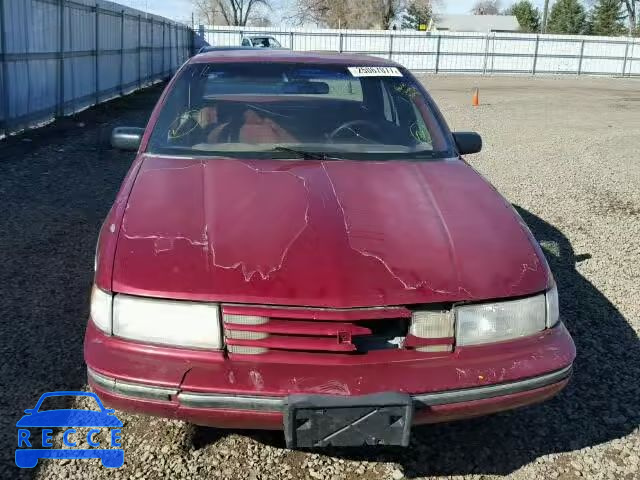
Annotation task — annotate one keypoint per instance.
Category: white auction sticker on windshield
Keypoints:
(375, 71)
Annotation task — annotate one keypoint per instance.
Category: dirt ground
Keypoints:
(565, 151)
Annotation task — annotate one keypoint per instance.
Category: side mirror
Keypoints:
(468, 142)
(127, 138)
(29, 411)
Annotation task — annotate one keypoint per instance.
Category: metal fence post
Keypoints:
(291, 39)
(60, 106)
(174, 42)
(535, 55)
(152, 71)
(438, 53)
(486, 54)
(4, 121)
(97, 62)
(340, 39)
(139, 50)
(122, 53)
(390, 46)
(581, 57)
(164, 27)
(626, 57)
(202, 38)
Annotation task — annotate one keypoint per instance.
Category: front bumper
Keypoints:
(208, 388)
(241, 411)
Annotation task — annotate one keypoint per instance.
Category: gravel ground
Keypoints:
(565, 151)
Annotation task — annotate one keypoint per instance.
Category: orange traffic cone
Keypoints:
(475, 101)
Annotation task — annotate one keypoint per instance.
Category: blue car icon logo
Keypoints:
(27, 456)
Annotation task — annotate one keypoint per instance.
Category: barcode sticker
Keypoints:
(375, 71)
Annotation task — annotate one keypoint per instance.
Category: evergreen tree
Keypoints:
(417, 14)
(606, 18)
(528, 16)
(567, 17)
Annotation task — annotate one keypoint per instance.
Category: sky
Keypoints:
(180, 10)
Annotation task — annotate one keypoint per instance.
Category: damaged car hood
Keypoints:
(332, 233)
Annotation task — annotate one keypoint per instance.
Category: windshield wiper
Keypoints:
(305, 154)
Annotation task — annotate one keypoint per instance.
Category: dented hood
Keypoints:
(334, 233)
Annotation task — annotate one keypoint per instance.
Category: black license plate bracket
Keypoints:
(326, 420)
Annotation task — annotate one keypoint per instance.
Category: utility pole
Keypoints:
(545, 16)
(632, 15)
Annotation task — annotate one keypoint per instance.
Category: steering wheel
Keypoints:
(184, 124)
(349, 126)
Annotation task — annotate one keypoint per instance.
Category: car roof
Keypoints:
(290, 56)
(209, 48)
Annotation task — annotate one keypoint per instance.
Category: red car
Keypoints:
(299, 245)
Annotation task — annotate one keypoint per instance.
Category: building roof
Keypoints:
(477, 23)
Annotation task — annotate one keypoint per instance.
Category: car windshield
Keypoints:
(264, 42)
(285, 110)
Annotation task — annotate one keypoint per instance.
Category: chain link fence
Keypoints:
(58, 57)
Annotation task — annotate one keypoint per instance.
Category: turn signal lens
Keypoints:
(431, 324)
(435, 348)
(101, 308)
(553, 307)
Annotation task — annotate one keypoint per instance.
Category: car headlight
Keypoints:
(176, 323)
(171, 322)
(506, 320)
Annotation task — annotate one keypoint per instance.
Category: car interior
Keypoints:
(259, 114)
(263, 42)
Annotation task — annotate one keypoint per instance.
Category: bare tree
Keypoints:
(232, 12)
(344, 14)
(632, 14)
(390, 9)
(260, 21)
(486, 7)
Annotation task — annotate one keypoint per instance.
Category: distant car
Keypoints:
(261, 42)
(70, 419)
(300, 244)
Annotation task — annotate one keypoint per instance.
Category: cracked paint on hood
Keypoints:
(334, 233)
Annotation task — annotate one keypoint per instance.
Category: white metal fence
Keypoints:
(60, 56)
(454, 52)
